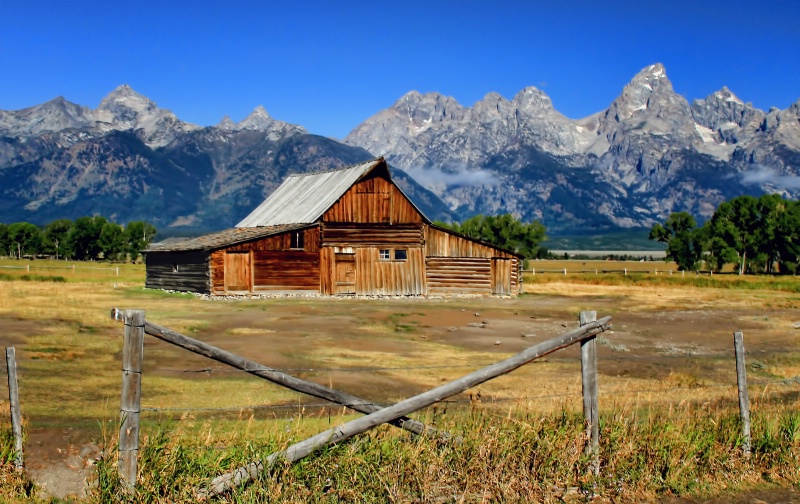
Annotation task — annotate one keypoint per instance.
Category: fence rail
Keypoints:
(28, 267)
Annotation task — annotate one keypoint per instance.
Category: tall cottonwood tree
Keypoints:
(752, 233)
(683, 240)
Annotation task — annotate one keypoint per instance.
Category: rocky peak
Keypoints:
(54, 115)
(258, 119)
(533, 101)
(423, 111)
(226, 124)
(126, 106)
(649, 90)
(647, 106)
(726, 115)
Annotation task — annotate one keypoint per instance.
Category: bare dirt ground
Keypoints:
(324, 340)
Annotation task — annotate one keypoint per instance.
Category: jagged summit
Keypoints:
(258, 119)
(227, 124)
(727, 95)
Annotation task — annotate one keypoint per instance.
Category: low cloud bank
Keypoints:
(763, 175)
(453, 176)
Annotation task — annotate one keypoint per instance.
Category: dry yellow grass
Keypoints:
(70, 347)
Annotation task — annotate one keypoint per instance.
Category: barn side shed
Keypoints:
(350, 231)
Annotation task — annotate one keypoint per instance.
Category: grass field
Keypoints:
(667, 385)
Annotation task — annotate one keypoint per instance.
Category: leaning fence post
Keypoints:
(132, 352)
(13, 399)
(744, 400)
(589, 389)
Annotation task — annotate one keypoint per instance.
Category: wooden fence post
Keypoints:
(13, 399)
(744, 400)
(589, 389)
(132, 353)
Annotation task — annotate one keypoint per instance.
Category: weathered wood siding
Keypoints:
(281, 241)
(327, 270)
(458, 275)
(372, 235)
(218, 272)
(440, 243)
(344, 280)
(274, 265)
(373, 200)
(390, 277)
(179, 271)
(501, 276)
(238, 271)
(285, 270)
(516, 265)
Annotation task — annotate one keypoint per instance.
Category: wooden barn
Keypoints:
(350, 231)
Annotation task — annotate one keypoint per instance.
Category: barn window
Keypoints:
(385, 254)
(297, 240)
(174, 268)
(400, 255)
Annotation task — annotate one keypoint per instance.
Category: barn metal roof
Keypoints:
(303, 198)
(223, 238)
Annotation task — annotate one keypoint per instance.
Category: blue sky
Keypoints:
(330, 65)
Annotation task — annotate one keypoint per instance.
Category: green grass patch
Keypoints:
(31, 278)
(513, 457)
(754, 282)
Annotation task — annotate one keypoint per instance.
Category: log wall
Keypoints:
(372, 235)
(179, 271)
(458, 275)
(453, 267)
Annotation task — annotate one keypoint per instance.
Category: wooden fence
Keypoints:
(136, 326)
(28, 267)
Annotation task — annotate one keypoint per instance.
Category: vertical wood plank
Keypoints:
(132, 353)
(589, 388)
(13, 399)
(744, 399)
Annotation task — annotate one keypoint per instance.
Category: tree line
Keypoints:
(506, 232)
(757, 235)
(85, 239)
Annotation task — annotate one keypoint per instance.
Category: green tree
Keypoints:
(138, 235)
(84, 237)
(55, 238)
(25, 238)
(734, 230)
(112, 241)
(504, 231)
(5, 244)
(787, 232)
(683, 239)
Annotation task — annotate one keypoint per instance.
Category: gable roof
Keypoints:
(304, 198)
(222, 238)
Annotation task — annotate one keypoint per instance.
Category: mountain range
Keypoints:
(650, 153)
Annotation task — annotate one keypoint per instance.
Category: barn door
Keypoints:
(237, 272)
(501, 276)
(345, 278)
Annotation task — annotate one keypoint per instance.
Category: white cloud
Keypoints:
(453, 176)
(763, 175)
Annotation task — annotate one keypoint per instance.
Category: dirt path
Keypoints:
(61, 461)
